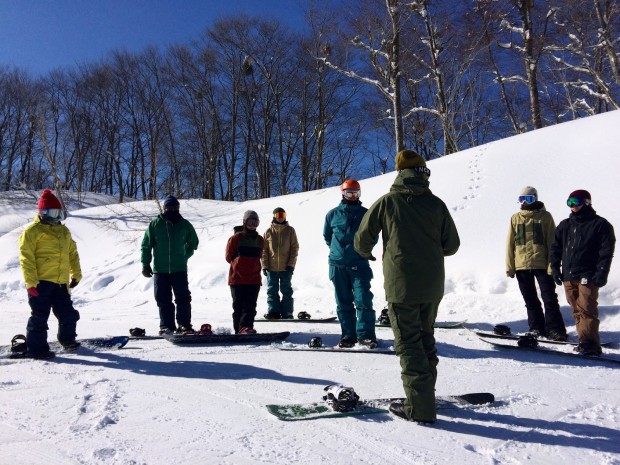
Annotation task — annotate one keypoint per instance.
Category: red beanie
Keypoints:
(581, 194)
(48, 200)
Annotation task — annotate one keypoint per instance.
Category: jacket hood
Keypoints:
(409, 182)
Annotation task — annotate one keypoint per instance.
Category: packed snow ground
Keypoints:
(155, 403)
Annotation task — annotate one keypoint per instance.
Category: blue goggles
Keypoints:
(57, 214)
(527, 199)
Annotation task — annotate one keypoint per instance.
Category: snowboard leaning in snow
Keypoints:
(516, 337)
(315, 410)
(512, 344)
(96, 343)
(183, 339)
(297, 320)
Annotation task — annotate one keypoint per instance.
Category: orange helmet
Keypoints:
(350, 184)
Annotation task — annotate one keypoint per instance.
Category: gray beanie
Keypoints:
(529, 190)
(250, 214)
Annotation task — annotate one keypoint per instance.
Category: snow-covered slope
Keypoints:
(154, 403)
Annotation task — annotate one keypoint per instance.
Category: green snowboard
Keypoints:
(315, 410)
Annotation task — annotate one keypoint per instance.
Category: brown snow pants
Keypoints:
(583, 299)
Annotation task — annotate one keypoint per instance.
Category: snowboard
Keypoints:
(355, 349)
(186, 339)
(437, 325)
(316, 410)
(516, 337)
(96, 343)
(512, 344)
(297, 320)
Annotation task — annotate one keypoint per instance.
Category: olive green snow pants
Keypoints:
(414, 341)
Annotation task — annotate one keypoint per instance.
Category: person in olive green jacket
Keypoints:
(278, 263)
(51, 266)
(418, 232)
(170, 240)
(528, 248)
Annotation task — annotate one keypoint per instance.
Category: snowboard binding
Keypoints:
(304, 316)
(205, 329)
(18, 344)
(502, 330)
(341, 398)
(384, 318)
(315, 343)
(528, 342)
(137, 332)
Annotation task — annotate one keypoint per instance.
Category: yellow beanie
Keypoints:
(408, 159)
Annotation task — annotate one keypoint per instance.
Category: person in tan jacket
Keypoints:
(527, 257)
(278, 262)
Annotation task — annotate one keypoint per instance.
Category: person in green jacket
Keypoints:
(528, 248)
(418, 232)
(170, 240)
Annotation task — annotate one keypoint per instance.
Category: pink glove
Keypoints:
(33, 291)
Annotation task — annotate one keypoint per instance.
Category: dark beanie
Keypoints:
(48, 200)
(171, 201)
(279, 210)
(581, 194)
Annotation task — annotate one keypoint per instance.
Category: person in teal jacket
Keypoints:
(349, 271)
(170, 241)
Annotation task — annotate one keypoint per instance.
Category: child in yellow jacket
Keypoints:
(50, 265)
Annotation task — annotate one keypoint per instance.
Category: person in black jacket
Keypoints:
(581, 255)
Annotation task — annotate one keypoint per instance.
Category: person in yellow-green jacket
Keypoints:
(528, 249)
(278, 263)
(51, 266)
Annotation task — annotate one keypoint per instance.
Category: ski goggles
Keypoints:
(53, 213)
(527, 199)
(280, 215)
(351, 194)
(577, 202)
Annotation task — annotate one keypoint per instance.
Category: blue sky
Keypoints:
(40, 35)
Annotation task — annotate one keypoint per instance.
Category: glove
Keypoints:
(265, 271)
(557, 278)
(510, 274)
(33, 291)
(599, 280)
(74, 282)
(290, 268)
(371, 258)
(147, 271)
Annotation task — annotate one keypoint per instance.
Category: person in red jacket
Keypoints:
(244, 251)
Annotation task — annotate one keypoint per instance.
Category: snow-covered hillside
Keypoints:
(154, 403)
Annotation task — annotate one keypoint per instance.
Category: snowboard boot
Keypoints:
(370, 343)
(164, 331)
(247, 330)
(557, 336)
(70, 346)
(346, 343)
(398, 408)
(41, 355)
(589, 348)
(272, 316)
(289, 316)
(185, 329)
